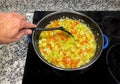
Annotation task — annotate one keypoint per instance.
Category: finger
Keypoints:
(28, 25)
(22, 33)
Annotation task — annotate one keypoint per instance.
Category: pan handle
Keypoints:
(29, 38)
(106, 41)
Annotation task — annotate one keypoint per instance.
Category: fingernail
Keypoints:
(35, 25)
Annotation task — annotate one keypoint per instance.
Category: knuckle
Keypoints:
(17, 38)
(11, 14)
(17, 15)
(23, 17)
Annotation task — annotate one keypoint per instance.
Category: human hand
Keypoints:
(13, 26)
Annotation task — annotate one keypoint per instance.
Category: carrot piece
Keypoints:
(74, 63)
(55, 61)
(80, 36)
(41, 47)
(86, 41)
(44, 52)
(89, 50)
(56, 22)
(50, 46)
(81, 51)
(76, 22)
(62, 38)
(66, 60)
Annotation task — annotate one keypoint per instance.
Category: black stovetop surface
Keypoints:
(36, 72)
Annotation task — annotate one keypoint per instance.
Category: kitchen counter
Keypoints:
(13, 55)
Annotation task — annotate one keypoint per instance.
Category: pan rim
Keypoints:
(79, 68)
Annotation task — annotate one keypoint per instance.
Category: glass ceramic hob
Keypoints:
(36, 71)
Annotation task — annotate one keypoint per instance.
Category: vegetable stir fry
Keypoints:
(64, 51)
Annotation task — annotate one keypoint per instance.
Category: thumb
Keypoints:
(22, 33)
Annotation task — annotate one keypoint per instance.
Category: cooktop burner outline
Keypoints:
(36, 71)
